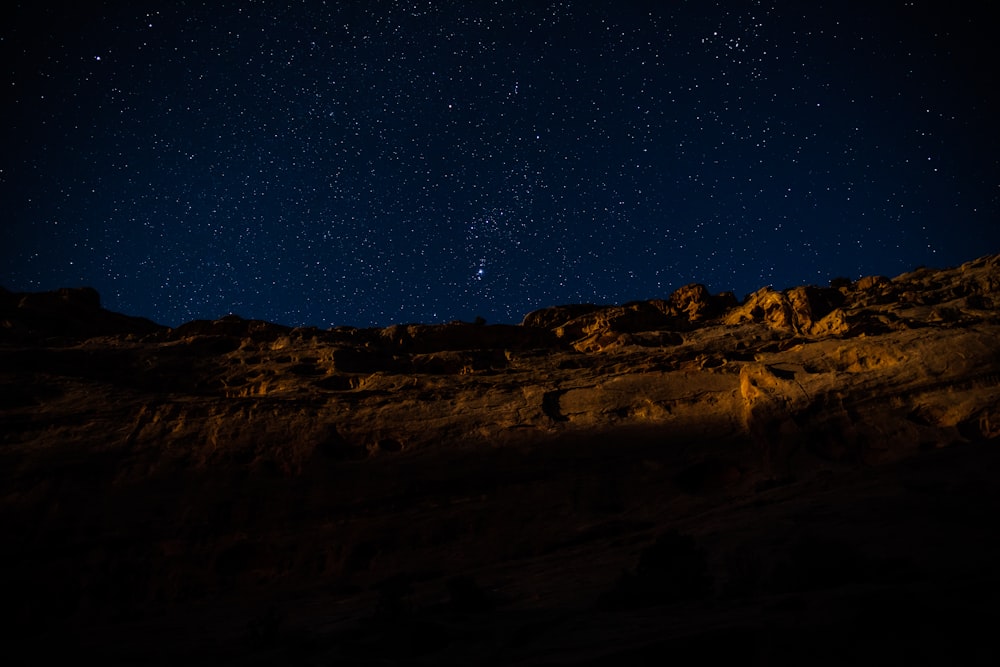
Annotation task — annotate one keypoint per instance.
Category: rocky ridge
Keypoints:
(232, 458)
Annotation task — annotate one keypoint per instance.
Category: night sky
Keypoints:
(368, 163)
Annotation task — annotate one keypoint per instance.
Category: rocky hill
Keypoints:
(687, 477)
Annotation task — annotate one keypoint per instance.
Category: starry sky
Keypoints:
(366, 163)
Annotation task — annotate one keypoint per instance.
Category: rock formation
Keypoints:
(279, 483)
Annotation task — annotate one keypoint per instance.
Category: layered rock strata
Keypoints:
(146, 466)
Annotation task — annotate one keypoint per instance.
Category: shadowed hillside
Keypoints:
(807, 474)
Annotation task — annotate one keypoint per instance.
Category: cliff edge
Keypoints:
(286, 485)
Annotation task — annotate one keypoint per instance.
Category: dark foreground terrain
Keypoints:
(808, 476)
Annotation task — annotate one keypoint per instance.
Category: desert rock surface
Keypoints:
(808, 472)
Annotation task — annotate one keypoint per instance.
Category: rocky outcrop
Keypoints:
(797, 310)
(690, 363)
(592, 328)
(696, 303)
(146, 468)
(66, 314)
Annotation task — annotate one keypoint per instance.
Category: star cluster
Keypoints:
(369, 163)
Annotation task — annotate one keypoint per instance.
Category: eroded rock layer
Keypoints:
(146, 468)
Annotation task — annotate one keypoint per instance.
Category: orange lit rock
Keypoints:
(229, 462)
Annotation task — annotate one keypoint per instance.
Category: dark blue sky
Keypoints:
(367, 163)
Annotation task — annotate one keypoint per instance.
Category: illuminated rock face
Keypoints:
(865, 365)
(146, 468)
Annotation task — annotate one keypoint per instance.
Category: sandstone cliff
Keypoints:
(226, 464)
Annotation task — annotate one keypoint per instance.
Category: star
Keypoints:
(367, 165)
